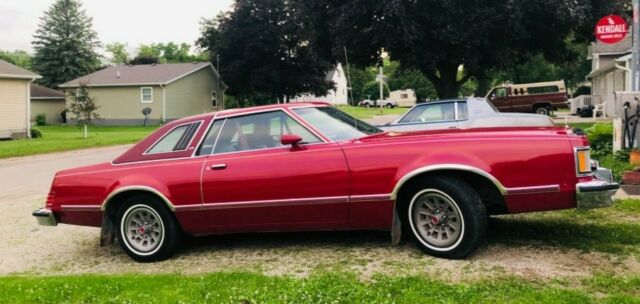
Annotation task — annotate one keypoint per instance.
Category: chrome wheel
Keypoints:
(436, 219)
(143, 229)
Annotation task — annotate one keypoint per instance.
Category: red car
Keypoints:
(309, 166)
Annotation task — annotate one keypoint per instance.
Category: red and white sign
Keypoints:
(611, 29)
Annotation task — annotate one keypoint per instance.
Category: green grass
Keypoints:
(579, 125)
(318, 288)
(362, 113)
(64, 138)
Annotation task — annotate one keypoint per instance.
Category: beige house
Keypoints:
(171, 91)
(14, 100)
(47, 102)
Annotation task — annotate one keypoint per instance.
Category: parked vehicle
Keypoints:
(462, 113)
(387, 103)
(404, 98)
(539, 97)
(309, 166)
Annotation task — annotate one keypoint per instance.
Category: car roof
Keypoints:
(236, 111)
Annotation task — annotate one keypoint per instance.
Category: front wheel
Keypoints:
(147, 231)
(446, 217)
(390, 106)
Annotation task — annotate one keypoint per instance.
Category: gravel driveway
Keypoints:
(26, 247)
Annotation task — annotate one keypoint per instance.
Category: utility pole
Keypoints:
(381, 80)
(635, 50)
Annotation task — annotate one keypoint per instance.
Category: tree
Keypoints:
(438, 37)
(166, 53)
(119, 54)
(19, 58)
(65, 44)
(83, 107)
(268, 51)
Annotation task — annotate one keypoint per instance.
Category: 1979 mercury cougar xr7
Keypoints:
(309, 166)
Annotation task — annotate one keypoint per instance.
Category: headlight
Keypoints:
(583, 160)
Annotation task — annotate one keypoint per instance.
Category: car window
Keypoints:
(207, 144)
(177, 139)
(259, 131)
(462, 110)
(335, 124)
(501, 92)
(431, 113)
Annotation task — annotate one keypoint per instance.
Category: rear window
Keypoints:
(177, 139)
(543, 90)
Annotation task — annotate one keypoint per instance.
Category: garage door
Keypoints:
(13, 102)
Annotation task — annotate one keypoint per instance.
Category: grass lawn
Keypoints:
(241, 287)
(362, 112)
(63, 138)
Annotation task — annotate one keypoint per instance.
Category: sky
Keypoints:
(129, 21)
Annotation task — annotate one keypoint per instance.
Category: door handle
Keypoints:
(218, 166)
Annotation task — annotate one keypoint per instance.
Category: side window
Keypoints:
(501, 92)
(543, 90)
(431, 113)
(462, 111)
(177, 139)
(210, 139)
(259, 131)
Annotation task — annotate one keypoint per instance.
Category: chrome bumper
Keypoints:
(45, 217)
(595, 194)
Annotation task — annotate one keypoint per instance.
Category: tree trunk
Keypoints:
(447, 86)
(483, 85)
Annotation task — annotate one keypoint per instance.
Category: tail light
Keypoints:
(583, 161)
(50, 198)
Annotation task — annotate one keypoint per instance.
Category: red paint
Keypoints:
(611, 29)
(325, 186)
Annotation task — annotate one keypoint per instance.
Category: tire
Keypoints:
(390, 106)
(366, 105)
(542, 110)
(161, 237)
(450, 208)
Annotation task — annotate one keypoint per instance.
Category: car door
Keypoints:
(500, 99)
(251, 182)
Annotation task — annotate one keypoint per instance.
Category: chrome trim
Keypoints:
(458, 167)
(215, 143)
(204, 134)
(595, 194)
(131, 188)
(45, 217)
(575, 161)
(265, 203)
(533, 189)
(199, 122)
(80, 208)
(370, 198)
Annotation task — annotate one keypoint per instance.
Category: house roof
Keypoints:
(44, 93)
(141, 74)
(8, 70)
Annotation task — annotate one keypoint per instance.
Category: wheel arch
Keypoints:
(540, 103)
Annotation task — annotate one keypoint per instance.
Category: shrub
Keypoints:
(35, 133)
(41, 119)
(600, 137)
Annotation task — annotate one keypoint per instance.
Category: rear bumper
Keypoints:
(45, 217)
(595, 194)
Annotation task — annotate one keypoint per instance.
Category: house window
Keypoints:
(81, 94)
(214, 100)
(146, 94)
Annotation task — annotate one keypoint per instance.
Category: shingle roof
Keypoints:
(142, 74)
(40, 92)
(8, 70)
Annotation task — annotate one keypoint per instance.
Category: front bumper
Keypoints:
(595, 194)
(45, 217)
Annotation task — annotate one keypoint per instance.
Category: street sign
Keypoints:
(611, 29)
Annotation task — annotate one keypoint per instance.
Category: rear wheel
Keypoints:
(390, 106)
(147, 231)
(542, 110)
(445, 216)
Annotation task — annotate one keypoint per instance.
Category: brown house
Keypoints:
(14, 100)
(171, 91)
(47, 102)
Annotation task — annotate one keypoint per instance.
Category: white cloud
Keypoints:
(128, 21)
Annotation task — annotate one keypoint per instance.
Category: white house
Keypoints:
(337, 96)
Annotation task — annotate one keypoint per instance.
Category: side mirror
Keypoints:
(290, 139)
(492, 96)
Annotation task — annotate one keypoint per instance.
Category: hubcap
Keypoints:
(436, 218)
(143, 229)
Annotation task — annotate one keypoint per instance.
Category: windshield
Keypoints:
(335, 124)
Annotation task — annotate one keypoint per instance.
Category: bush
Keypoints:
(41, 120)
(35, 133)
(600, 137)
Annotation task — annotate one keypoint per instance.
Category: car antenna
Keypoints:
(346, 60)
